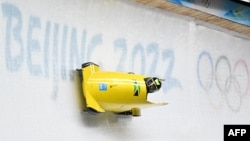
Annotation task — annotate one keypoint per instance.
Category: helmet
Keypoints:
(153, 84)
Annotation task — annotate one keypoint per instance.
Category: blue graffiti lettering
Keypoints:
(74, 58)
(138, 51)
(63, 53)
(14, 60)
(95, 41)
(46, 49)
(83, 45)
(171, 82)
(153, 49)
(120, 44)
(55, 61)
(33, 46)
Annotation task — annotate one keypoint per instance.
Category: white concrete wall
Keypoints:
(42, 42)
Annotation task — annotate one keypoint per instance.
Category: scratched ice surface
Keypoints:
(206, 71)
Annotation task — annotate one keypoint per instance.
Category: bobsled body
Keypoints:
(115, 91)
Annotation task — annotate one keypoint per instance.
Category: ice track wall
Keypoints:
(207, 71)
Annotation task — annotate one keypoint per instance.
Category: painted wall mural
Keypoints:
(226, 9)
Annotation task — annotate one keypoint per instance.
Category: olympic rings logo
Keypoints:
(232, 82)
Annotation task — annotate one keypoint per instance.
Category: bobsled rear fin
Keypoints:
(88, 69)
(92, 103)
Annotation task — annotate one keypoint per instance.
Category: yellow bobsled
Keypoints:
(120, 93)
